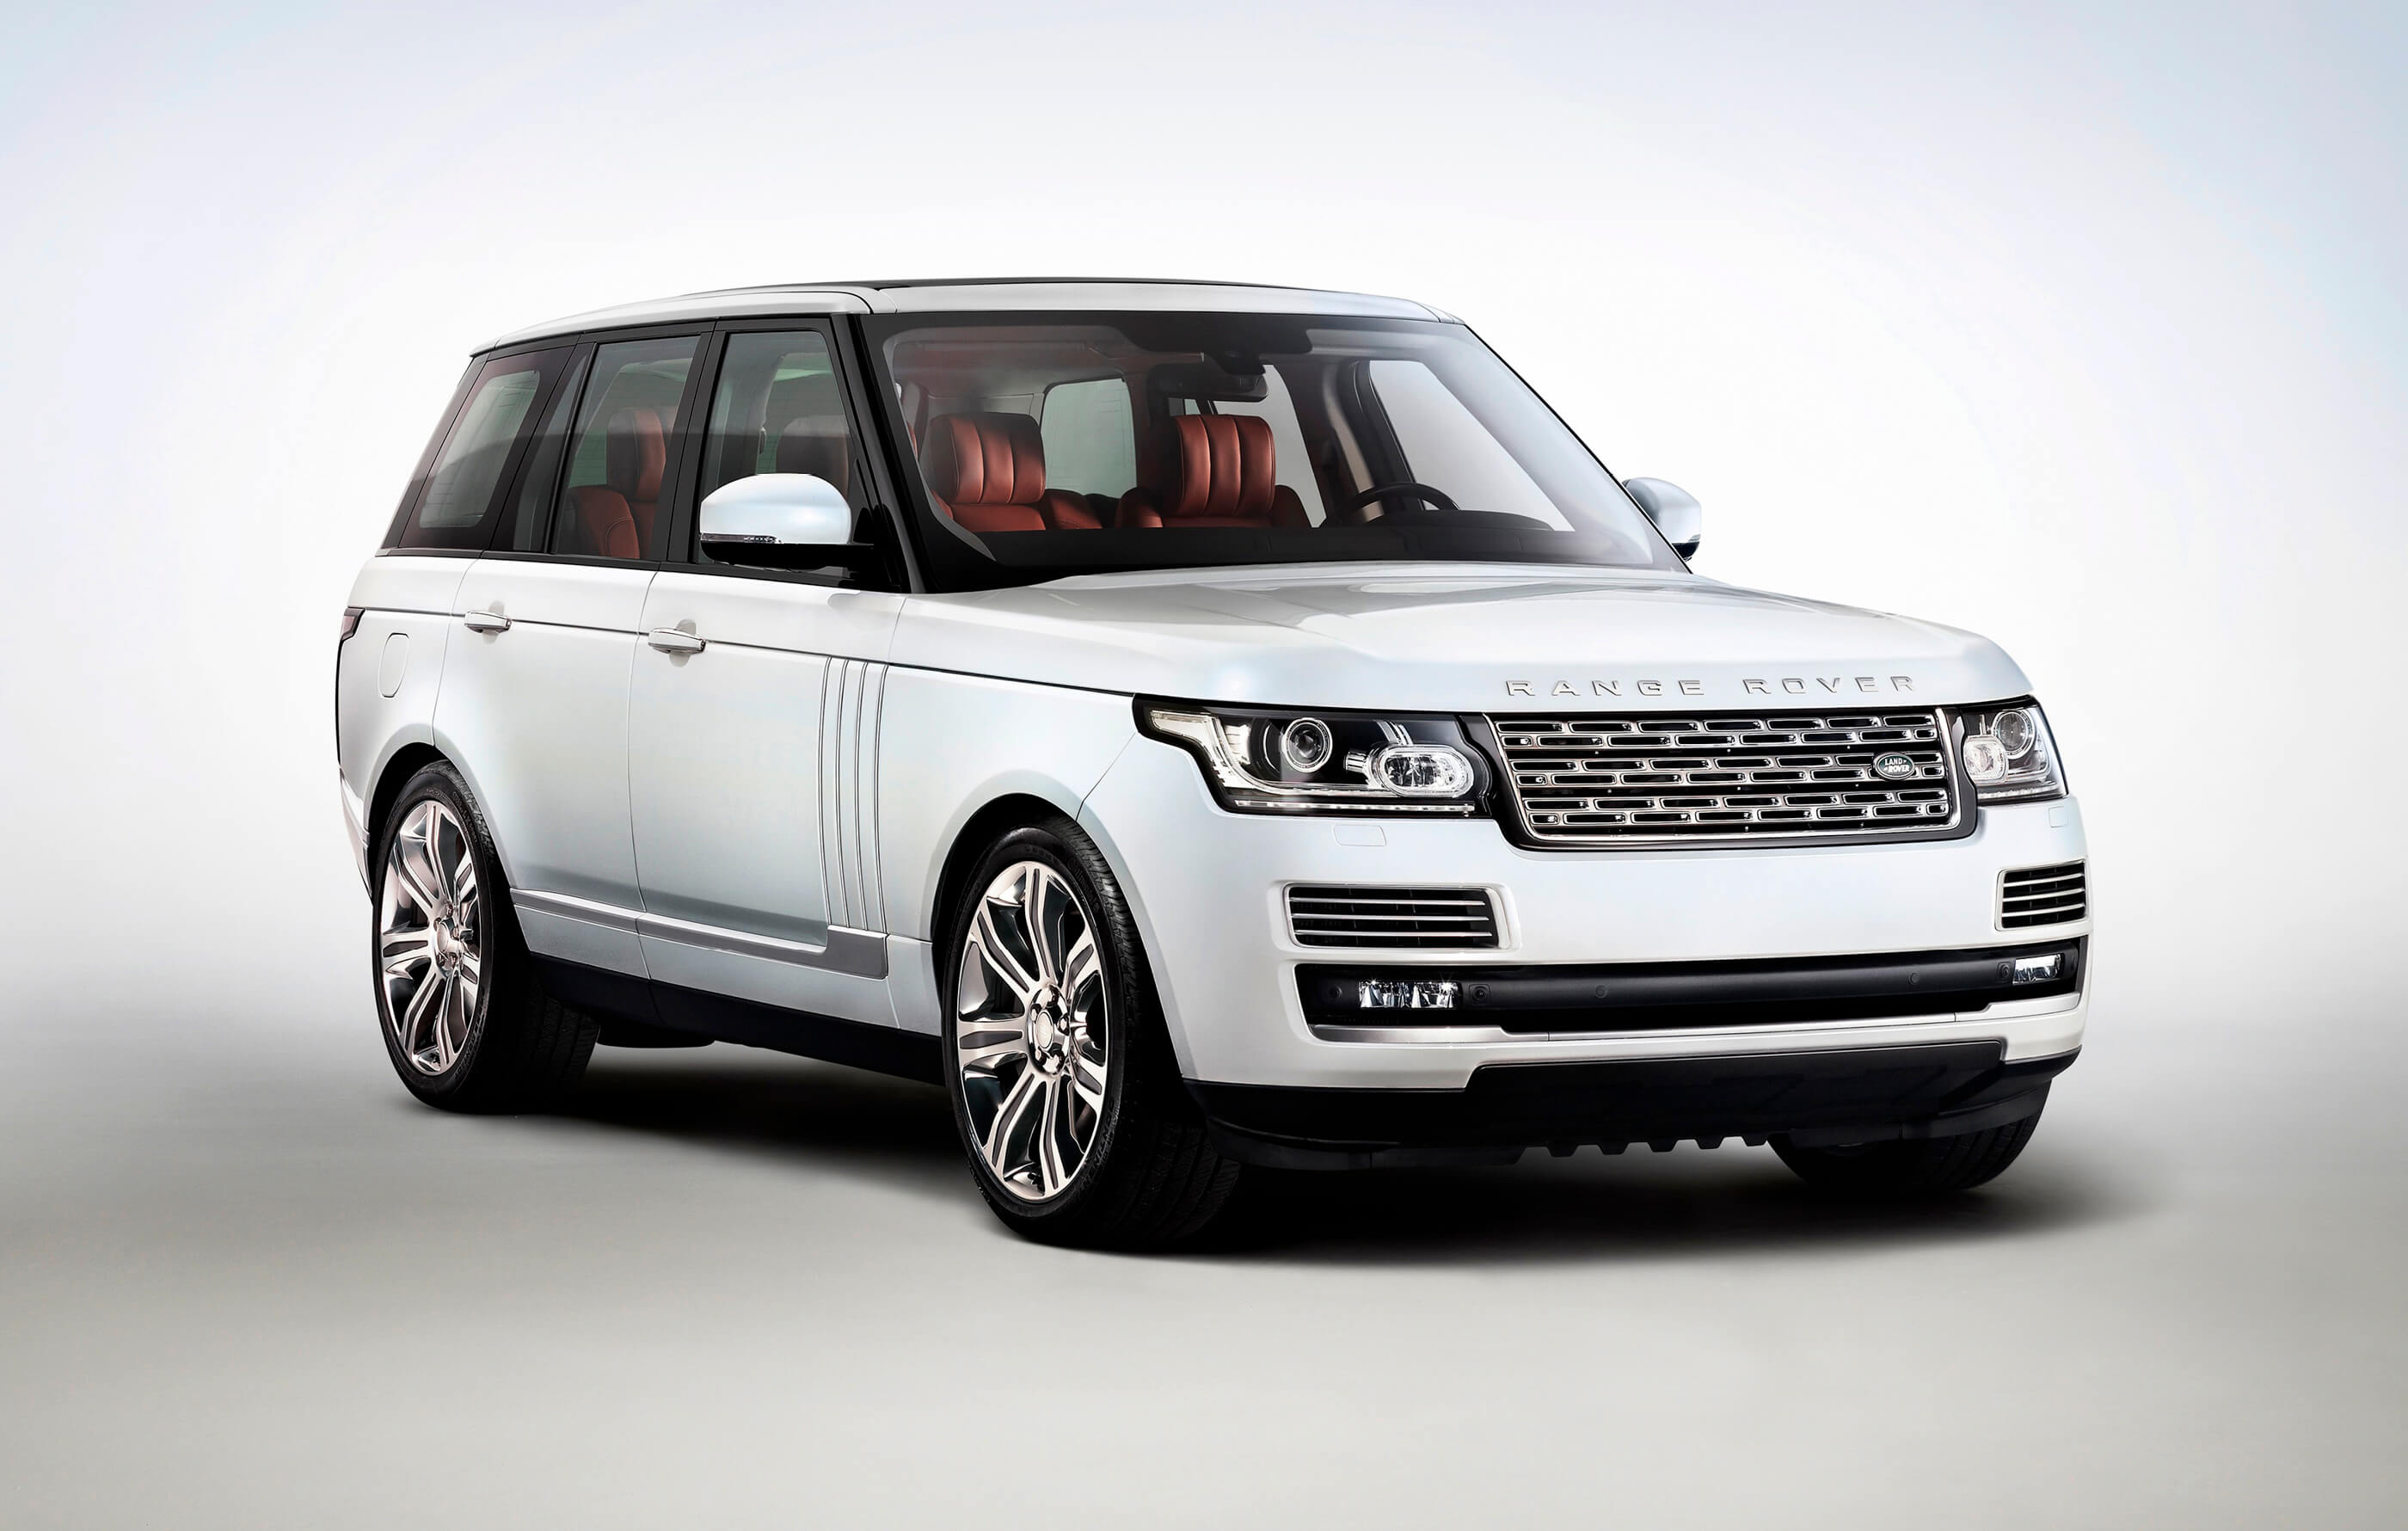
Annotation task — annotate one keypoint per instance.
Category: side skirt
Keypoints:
(641, 1005)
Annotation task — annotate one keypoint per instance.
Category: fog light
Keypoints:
(2040, 969)
(1408, 995)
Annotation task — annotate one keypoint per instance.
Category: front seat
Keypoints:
(987, 471)
(618, 512)
(1224, 471)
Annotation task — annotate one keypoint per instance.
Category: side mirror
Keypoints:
(1673, 509)
(781, 521)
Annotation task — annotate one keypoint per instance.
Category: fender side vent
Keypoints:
(2042, 896)
(1391, 917)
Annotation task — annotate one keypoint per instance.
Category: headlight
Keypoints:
(2008, 754)
(1258, 760)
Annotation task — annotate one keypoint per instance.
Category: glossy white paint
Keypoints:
(952, 744)
(811, 768)
(799, 510)
(405, 596)
(1206, 887)
(957, 297)
(739, 820)
(1448, 639)
(752, 785)
(535, 716)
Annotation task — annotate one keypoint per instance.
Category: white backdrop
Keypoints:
(2079, 326)
(2081, 330)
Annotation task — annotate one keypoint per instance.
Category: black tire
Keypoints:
(1148, 1179)
(522, 1049)
(1912, 1171)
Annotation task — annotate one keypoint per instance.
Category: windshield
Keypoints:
(1057, 444)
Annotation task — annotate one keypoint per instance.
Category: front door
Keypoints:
(753, 726)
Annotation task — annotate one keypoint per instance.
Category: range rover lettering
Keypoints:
(1203, 727)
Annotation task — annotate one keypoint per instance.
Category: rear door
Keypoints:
(753, 719)
(534, 702)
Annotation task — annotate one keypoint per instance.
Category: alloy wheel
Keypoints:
(1029, 1042)
(430, 937)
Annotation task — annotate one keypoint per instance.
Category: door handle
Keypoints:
(484, 621)
(674, 641)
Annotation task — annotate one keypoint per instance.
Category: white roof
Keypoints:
(994, 295)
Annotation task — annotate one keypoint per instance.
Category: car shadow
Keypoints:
(744, 1100)
(1636, 1206)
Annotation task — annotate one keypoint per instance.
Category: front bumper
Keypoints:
(1823, 1096)
(1206, 889)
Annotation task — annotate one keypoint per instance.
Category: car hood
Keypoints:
(1454, 638)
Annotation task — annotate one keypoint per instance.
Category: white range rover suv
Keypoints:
(1200, 725)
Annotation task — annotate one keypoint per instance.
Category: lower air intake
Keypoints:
(1391, 917)
(2042, 896)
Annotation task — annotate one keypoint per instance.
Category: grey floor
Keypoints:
(246, 1282)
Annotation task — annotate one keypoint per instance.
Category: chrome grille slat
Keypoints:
(1588, 780)
(2044, 896)
(1391, 917)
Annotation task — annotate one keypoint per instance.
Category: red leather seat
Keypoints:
(987, 471)
(617, 513)
(1224, 471)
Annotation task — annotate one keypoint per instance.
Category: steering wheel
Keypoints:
(1424, 492)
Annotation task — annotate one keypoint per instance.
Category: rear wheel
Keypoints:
(1912, 1171)
(1063, 1088)
(466, 1023)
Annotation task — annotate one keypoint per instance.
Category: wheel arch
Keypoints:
(988, 823)
(399, 767)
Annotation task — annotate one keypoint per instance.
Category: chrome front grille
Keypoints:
(2042, 896)
(1391, 917)
(1590, 779)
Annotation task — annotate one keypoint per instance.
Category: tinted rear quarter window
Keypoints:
(455, 510)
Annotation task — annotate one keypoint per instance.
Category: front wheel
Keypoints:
(1063, 1088)
(1913, 1170)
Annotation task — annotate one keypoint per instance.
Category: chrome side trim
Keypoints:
(608, 916)
(851, 704)
(858, 953)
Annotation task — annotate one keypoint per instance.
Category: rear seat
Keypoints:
(1224, 471)
(617, 514)
(987, 471)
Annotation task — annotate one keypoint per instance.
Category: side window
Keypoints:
(1447, 448)
(779, 409)
(1295, 466)
(531, 521)
(618, 453)
(1090, 438)
(457, 508)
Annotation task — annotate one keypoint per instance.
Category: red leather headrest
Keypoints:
(984, 459)
(634, 453)
(1222, 466)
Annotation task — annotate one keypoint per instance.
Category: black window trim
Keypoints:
(574, 379)
(510, 465)
(873, 445)
(859, 422)
(705, 333)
